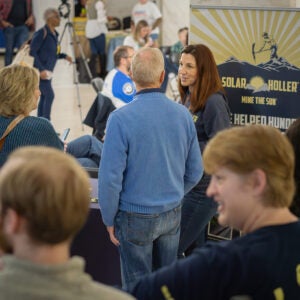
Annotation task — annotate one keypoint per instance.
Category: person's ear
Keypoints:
(11, 222)
(162, 77)
(258, 181)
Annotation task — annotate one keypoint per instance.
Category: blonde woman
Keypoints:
(140, 37)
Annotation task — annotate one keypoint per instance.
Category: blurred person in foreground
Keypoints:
(42, 207)
(293, 134)
(150, 159)
(252, 182)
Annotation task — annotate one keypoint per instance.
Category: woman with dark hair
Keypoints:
(293, 134)
(202, 93)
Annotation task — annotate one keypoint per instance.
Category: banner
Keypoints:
(258, 56)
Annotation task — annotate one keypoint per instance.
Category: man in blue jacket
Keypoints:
(45, 49)
(150, 159)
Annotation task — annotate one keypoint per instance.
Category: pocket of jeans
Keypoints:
(140, 229)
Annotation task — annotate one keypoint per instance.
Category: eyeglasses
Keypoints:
(129, 56)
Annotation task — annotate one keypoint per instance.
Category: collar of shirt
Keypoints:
(152, 90)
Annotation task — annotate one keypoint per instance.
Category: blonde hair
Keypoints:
(147, 66)
(244, 149)
(17, 86)
(49, 189)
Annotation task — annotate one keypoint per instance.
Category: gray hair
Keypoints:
(147, 66)
(49, 12)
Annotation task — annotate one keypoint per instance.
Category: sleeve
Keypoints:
(112, 167)
(45, 134)
(129, 41)
(211, 272)
(193, 165)
(35, 46)
(155, 11)
(204, 274)
(216, 115)
(101, 13)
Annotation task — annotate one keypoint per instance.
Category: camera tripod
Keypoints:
(74, 39)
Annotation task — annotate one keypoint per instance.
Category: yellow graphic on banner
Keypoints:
(254, 36)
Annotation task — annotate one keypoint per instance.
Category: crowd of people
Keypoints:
(164, 170)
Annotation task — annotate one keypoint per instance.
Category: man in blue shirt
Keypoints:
(150, 159)
(45, 49)
(118, 85)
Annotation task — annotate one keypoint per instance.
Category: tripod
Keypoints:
(74, 37)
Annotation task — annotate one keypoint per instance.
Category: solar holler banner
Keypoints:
(258, 56)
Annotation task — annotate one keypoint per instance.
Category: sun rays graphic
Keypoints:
(232, 32)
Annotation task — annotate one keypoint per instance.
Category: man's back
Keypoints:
(151, 141)
(24, 280)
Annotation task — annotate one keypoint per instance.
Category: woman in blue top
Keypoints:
(202, 93)
(19, 95)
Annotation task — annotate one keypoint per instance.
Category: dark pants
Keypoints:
(197, 210)
(46, 100)
(14, 37)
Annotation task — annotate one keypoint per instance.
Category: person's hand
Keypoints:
(6, 24)
(69, 59)
(44, 74)
(29, 21)
(111, 231)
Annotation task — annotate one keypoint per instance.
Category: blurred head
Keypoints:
(52, 198)
(52, 17)
(198, 74)
(19, 90)
(293, 134)
(251, 166)
(143, 1)
(147, 68)
(123, 56)
(141, 31)
(183, 35)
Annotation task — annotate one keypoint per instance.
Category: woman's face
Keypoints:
(187, 70)
(144, 31)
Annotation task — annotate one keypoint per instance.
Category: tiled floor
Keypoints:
(71, 102)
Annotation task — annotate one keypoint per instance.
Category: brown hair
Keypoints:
(136, 35)
(17, 86)
(120, 52)
(245, 149)
(49, 189)
(208, 79)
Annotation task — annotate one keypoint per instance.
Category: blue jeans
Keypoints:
(147, 242)
(197, 210)
(87, 149)
(46, 99)
(97, 44)
(14, 37)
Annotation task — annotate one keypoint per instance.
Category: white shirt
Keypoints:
(148, 12)
(96, 27)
